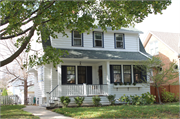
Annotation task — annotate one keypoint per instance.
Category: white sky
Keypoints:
(169, 21)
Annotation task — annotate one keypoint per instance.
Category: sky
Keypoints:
(169, 21)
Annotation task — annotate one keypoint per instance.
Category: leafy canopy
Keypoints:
(56, 16)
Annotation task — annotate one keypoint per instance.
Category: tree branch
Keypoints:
(8, 37)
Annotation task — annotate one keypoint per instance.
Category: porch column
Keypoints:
(108, 77)
(51, 75)
(59, 80)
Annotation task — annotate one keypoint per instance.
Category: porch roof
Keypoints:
(96, 54)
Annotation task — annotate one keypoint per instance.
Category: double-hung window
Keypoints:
(115, 73)
(139, 74)
(98, 39)
(119, 40)
(153, 48)
(77, 38)
(127, 73)
(68, 75)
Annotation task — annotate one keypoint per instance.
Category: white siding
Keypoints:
(47, 79)
(131, 41)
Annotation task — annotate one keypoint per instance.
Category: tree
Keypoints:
(17, 70)
(157, 74)
(4, 93)
(51, 17)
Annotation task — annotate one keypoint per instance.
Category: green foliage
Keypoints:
(168, 96)
(79, 100)
(4, 93)
(111, 99)
(120, 83)
(130, 83)
(96, 100)
(144, 99)
(55, 17)
(115, 83)
(125, 99)
(65, 101)
(176, 98)
(134, 83)
(125, 83)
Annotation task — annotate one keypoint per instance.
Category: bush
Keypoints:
(120, 83)
(65, 101)
(115, 83)
(111, 99)
(167, 96)
(134, 83)
(96, 100)
(125, 99)
(79, 100)
(148, 98)
(176, 98)
(145, 98)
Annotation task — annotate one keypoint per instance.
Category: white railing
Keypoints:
(72, 90)
(97, 89)
(9, 100)
(53, 95)
(84, 90)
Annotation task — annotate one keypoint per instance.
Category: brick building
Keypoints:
(166, 46)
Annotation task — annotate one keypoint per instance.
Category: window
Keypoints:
(98, 39)
(127, 73)
(139, 74)
(153, 48)
(77, 38)
(85, 74)
(115, 73)
(68, 75)
(119, 40)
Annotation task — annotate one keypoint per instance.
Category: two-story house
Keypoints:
(166, 46)
(94, 63)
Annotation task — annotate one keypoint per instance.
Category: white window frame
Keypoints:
(153, 48)
(119, 41)
(77, 38)
(98, 39)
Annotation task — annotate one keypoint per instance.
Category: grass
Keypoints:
(169, 110)
(15, 111)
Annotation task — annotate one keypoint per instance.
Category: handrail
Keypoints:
(53, 89)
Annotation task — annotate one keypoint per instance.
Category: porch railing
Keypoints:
(84, 90)
(53, 95)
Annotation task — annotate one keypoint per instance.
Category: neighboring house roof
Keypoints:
(97, 54)
(170, 39)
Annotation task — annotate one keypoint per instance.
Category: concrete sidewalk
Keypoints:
(43, 113)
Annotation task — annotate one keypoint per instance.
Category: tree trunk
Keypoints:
(158, 95)
(25, 92)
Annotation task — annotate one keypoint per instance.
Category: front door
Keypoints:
(100, 75)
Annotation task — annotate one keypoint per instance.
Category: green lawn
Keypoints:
(15, 111)
(169, 110)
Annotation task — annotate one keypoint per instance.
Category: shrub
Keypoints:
(115, 83)
(96, 100)
(130, 83)
(125, 99)
(120, 83)
(79, 100)
(149, 99)
(136, 100)
(111, 99)
(65, 101)
(176, 97)
(167, 96)
(125, 83)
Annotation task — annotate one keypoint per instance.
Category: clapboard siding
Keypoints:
(132, 91)
(47, 78)
(131, 41)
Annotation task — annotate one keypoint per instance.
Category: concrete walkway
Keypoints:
(43, 113)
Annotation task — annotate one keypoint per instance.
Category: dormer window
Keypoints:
(77, 38)
(98, 39)
(119, 40)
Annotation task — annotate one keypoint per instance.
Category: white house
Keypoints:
(94, 63)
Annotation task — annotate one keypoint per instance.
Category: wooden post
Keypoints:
(108, 77)
(59, 80)
(85, 89)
